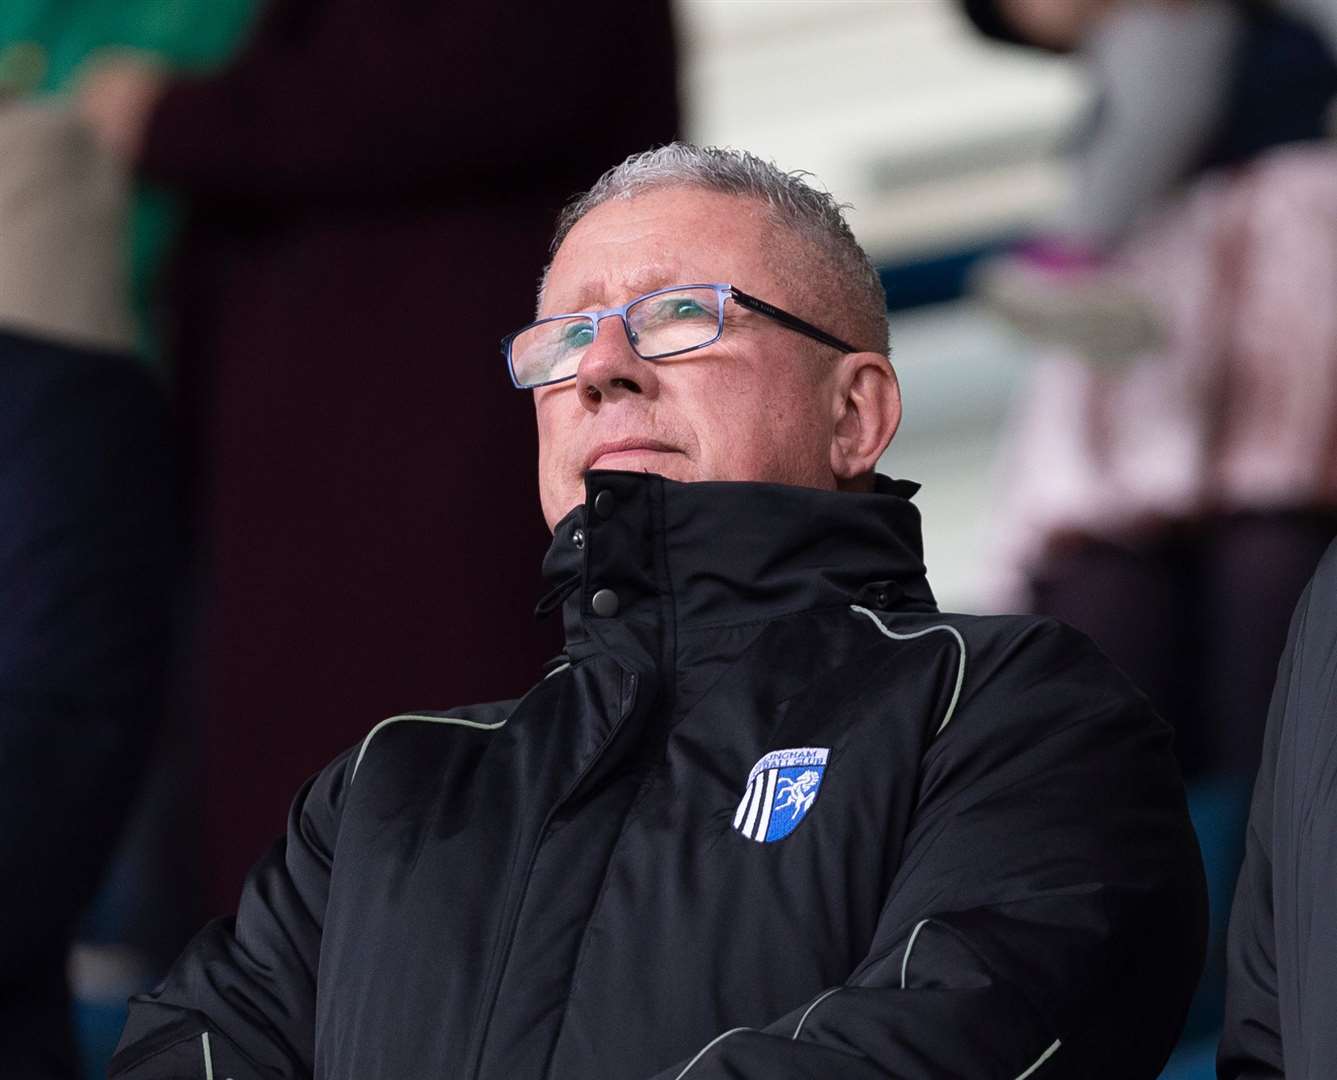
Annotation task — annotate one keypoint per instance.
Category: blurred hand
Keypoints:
(116, 96)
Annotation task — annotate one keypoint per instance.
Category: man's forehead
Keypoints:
(626, 247)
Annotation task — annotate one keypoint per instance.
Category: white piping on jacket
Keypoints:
(702, 1052)
(1050, 1052)
(208, 1057)
(817, 1001)
(1053, 1048)
(905, 960)
(960, 641)
(426, 720)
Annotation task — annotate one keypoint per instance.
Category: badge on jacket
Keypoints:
(780, 791)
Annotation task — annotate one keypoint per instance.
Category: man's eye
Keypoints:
(686, 309)
(678, 309)
(576, 336)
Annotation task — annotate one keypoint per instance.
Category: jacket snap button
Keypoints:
(603, 503)
(578, 538)
(604, 603)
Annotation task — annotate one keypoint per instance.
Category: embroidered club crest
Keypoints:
(780, 791)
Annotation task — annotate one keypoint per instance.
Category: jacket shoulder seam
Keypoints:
(945, 627)
(421, 718)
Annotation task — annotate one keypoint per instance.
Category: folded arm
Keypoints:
(241, 1000)
(1049, 914)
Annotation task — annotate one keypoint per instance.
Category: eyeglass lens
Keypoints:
(658, 325)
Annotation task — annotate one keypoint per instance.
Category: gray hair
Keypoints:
(814, 215)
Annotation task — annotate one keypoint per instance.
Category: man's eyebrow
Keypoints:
(595, 294)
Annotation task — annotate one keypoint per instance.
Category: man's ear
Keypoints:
(866, 405)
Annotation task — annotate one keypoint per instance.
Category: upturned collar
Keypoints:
(644, 551)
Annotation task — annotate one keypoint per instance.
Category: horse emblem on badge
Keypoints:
(780, 791)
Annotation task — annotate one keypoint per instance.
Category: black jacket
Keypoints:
(1282, 980)
(996, 871)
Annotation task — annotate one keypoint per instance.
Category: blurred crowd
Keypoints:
(261, 468)
(1171, 466)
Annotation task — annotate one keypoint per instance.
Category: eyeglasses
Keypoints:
(660, 324)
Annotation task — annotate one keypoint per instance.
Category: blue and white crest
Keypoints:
(780, 791)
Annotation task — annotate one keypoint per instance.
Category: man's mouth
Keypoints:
(620, 453)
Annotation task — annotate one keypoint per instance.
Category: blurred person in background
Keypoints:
(91, 551)
(1171, 493)
(87, 560)
(1282, 982)
(1182, 86)
(370, 186)
(44, 47)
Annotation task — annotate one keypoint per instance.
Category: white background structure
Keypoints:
(942, 142)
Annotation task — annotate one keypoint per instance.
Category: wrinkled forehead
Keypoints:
(629, 246)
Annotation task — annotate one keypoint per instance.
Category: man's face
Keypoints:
(757, 405)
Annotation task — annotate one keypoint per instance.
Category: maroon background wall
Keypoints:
(373, 189)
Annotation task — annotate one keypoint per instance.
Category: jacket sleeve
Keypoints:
(1048, 917)
(240, 1002)
(357, 99)
(1251, 1038)
(1282, 908)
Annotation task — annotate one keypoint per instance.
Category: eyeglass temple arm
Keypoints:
(791, 321)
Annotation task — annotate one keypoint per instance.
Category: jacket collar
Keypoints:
(726, 553)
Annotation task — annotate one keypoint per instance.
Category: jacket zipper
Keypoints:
(507, 939)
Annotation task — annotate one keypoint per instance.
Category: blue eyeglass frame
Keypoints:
(723, 291)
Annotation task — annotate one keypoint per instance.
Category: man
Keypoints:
(771, 814)
(1282, 981)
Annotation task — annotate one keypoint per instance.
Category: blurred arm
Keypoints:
(1165, 73)
(1251, 1043)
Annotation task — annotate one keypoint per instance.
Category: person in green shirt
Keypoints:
(47, 48)
(89, 549)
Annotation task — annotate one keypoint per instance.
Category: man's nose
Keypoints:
(611, 368)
